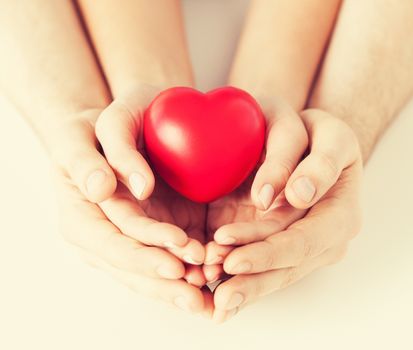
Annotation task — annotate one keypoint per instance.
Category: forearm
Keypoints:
(140, 42)
(281, 47)
(367, 75)
(46, 68)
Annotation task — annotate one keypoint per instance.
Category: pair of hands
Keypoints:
(167, 247)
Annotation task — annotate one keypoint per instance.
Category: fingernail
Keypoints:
(235, 301)
(227, 240)
(190, 260)
(137, 183)
(243, 267)
(214, 279)
(304, 189)
(266, 195)
(170, 245)
(165, 271)
(214, 260)
(95, 181)
(182, 303)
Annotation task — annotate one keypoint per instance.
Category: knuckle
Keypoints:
(327, 166)
(291, 275)
(268, 260)
(305, 245)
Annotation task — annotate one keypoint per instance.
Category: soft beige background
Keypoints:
(50, 300)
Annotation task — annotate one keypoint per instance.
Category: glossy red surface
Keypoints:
(204, 145)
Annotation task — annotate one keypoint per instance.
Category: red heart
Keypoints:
(204, 145)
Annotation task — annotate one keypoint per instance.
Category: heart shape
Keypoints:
(204, 145)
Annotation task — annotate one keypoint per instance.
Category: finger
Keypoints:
(118, 129)
(91, 231)
(324, 227)
(216, 253)
(208, 302)
(241, 233)
(286, 143)
(333, 148)
(192, 253)
(176, 292)
(240, 290)
(195, 276)
(76, 153)
(212, 273)
(132, 221)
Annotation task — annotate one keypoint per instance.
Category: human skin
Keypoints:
(50, 74)
(365, 79)
(108, 246)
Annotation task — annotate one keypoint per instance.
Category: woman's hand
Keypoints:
(330, 176)
(258, 208)
(119, 130)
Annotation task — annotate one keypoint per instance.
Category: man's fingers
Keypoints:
(286, 143)
(326, 226)
(85, 226)
(240, 290)
(77, 154)
(176, 292)
(118, 129)
(333, 148)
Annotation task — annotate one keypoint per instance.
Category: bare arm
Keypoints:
(280, 49)
(367, 75)
(46, 67)
(140, 42)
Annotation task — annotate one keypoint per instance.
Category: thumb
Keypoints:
(78, 155)
(286, 142)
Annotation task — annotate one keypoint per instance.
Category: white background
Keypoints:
(50, 300)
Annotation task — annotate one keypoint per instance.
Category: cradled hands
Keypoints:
(270, 250)
(156, 241)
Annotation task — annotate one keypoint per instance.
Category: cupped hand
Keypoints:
(147, 237)
(258, 208)
(328, 181)
(149, 270)
(167, 219)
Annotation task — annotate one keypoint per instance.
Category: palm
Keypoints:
(166, 205)
(238, 207)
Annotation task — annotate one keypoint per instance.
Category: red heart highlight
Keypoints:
(204, 145)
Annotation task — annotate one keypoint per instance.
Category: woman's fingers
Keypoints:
(328, 224)
(119, 129)
(194, 275)
(333, 148)
(216, 253)
(129, 217)
(240, 233)
(286, 143)
(213, 273)
(77, 154)
(240, 290)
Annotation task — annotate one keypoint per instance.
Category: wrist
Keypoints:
(156, 73)
(54, 133)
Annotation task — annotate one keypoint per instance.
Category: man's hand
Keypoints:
(333, 169)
